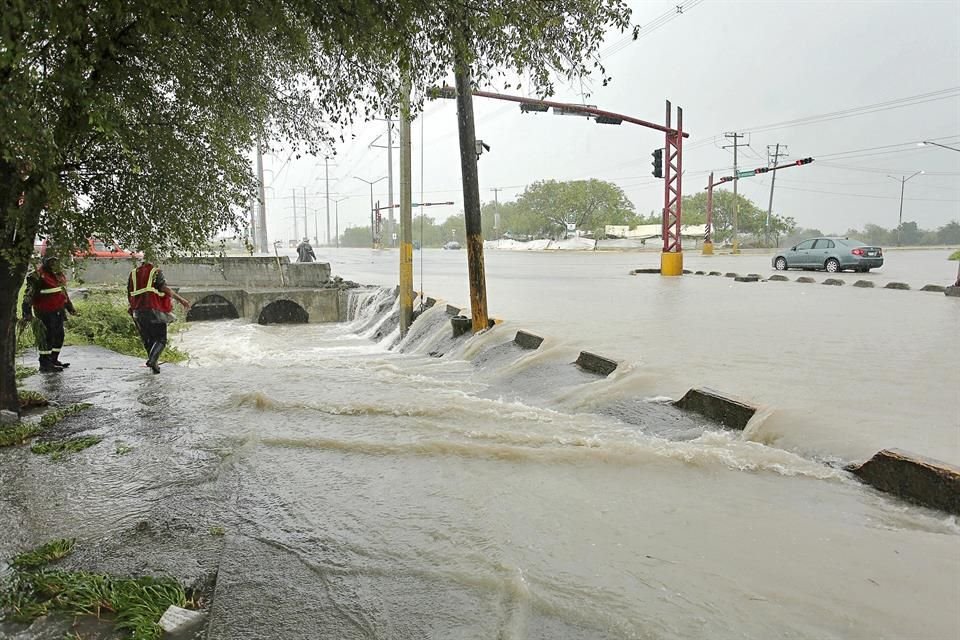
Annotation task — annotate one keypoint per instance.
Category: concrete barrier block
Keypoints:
(924, 481)
(728, 410)
(902, 286)
(864, 284)
(939, 288)
(687, 272)
(596, 364)
(646, 270)
(756, 275)
(527, 340)
(429, 303)
(699, 273)
(806, 279)
(452, 310)
(714, 273)
(461, 325)
(778, 278)
(834, 282)
(953, 292)
(730, 274)
(750, 278)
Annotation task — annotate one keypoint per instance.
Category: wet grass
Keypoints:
(22, 431)
(955, 255)
(103, 321)
(31, 399)
(122, 448)
(25, 372)
(56, 449)
(134, 605)
(217, 531)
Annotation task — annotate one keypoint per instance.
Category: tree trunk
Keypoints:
(18, 227)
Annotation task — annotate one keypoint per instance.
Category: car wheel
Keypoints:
(780, 264)
(832, 265)
(866, 269)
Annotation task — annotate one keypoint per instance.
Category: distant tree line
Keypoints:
(909, 234)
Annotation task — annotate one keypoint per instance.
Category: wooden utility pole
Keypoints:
(736, 201)
(471, 190)
(406, 214)
(775, 156)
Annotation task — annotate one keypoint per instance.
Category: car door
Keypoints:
(801, 256)
(822, 249)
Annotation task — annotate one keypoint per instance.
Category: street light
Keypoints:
(336, 215)
(936, 144)
(373, 231)
(902, 181)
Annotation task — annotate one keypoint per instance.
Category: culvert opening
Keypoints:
(283, 312)
(212, 307)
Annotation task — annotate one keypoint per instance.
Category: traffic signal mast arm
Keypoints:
(753, 172)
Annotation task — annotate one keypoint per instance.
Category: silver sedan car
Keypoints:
(830, 254)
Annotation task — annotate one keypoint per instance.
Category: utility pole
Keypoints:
(296, 235)
(373, 211)
(775, 157)
(252, 214)
(406, 213)
(336, 218)
(708, 231)
(903, 181)
(496, 212)
(390, 177)
(471, 186)
(736, 203)
(262, 230)
(326, 170)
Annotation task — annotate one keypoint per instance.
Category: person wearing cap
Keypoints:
(151, 306)
(305, 251)
(45, 305)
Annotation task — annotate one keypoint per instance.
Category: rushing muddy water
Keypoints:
(494, 493)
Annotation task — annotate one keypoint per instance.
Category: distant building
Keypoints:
(651, 231)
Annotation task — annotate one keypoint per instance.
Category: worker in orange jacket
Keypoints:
(45, 305)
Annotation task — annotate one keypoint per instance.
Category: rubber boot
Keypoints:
(55, 359)
(155, 351)
(47, 364)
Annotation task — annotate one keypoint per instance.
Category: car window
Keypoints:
(824, 244)
(851, 243)
(806, 244)
(98, 245)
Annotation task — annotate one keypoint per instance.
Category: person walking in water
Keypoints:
(305, 251)
(45, 305)
(151, 306)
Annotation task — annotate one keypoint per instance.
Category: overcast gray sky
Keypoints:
(732, 65)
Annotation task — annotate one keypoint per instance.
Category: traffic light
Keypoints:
(804, 161)
(657, 163)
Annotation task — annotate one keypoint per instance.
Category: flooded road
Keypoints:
(373, 488)
(479, 495)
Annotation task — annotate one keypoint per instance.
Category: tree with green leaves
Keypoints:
(751, 219)
(551, 208)
(133, 119)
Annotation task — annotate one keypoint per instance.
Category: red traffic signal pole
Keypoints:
(671, 260)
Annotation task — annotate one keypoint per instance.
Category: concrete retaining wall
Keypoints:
(924, 481)
(239, 271)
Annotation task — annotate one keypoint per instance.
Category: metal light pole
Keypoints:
(936, 144)
(336, 217)
(373, 232)
(903, 182)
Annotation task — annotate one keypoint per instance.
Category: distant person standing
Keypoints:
(151, 306)
(305, 251)
(45, 305)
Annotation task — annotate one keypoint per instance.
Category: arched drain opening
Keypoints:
(283, 312)
(212, 307)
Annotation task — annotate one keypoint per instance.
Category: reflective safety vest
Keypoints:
(53, 294)
(142, 294)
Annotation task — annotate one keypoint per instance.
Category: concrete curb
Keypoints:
(527, 340)
(924, 481)
(596, 364)
(730, 411)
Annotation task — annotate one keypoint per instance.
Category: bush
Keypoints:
(955, 255)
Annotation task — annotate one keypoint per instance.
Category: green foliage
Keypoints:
(43, 555)
(955, 255)
(751, 219)
(53, 417)
(104, 321)
(122, 448)
(217, 531)
(25, 372)
(56, 449)
(547, 208)
(31, 399)
(134, 604)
